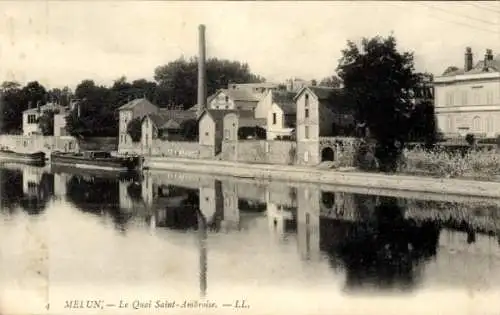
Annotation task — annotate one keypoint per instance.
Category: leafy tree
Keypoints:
(178, 80)
(134, 129)
(35, 94)
(380, 80)
(46, 122)
(12, 105)
(332, 81)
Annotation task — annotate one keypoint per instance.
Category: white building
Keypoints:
(467, 100)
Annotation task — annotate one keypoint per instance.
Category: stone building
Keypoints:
(139, 107)
(319, 111)
(467, 100)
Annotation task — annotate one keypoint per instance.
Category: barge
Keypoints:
(37, 158)
(95, 160)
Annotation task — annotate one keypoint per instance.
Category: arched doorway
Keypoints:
(327, 154)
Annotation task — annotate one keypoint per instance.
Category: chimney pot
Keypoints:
(469, 60)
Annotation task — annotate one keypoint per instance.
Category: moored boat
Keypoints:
(36, 158)
(95, 160)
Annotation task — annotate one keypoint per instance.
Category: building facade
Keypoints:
(281, 115)
(137, 108)
(467, 101)
(31, 116)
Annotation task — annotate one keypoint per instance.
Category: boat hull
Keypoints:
(110, 164)
(37, 158)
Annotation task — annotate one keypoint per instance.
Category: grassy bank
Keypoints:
(474, 164)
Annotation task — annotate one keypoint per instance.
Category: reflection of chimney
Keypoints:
(468, 59)
(202, 79)
(202, 233)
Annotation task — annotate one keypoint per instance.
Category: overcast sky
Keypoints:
(61, 43)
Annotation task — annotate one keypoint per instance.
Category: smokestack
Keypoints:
(202, 72)
(488, 56)
(468, 59)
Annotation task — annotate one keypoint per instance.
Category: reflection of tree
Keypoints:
(96, 195)
(35, 204)
(383, 250)
(11, 189)
(183, 215)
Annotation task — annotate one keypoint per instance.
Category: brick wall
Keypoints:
(184, 149)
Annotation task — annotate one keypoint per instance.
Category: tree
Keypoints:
(178, 80)
(12, 105)
(46, 122)
(380, 80)
(35, 93)
(332, 81)
(134, 129)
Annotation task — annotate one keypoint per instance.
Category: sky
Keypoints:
(61, 43)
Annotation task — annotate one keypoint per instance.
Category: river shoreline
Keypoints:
(327, 176)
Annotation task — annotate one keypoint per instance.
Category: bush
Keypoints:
(134, 129)
(471, 140)
(479, 163)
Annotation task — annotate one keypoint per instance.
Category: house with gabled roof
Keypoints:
(170, 125)
(320, 112)
(281, 117)
(467, 99)
(136, 108)
(234, 99)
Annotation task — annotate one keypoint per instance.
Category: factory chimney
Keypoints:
(202, 72)
(469, 61)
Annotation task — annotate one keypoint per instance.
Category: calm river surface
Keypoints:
(69, 237)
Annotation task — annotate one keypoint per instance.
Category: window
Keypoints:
(489, 124)
(307, 100)
(449, 98)
(464, 98)
(274, 118)
(307, 113)
(476, 123)
(32, 119)
(206, 134)
(489, 97)
(306, 158)
(226, 134)
(227, 99)
(306, 132)
(477, 98)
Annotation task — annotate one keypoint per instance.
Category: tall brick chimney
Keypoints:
(469, 61)
(202, 72)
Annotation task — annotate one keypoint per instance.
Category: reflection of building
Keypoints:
(60, 182)
(231, 218)
(31, 181)
(126, 202)
(308, 219)
(211, 200)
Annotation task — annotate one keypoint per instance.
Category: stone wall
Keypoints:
(259, 151)
(36, 143)
(184, 149)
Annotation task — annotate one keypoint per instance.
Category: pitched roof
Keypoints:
(217, 114)
(48, 106)
(134, 103)
(285, 100)
(479, 67)
(166, 119)
(240, 95)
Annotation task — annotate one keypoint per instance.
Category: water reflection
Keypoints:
(371, 242)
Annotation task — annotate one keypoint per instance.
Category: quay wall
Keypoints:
(36, 143)
(420, 185)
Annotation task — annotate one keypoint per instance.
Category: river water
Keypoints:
(135, 243)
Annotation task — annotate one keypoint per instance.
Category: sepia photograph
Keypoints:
(250, 157)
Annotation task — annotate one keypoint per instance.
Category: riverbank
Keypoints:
(344, 177)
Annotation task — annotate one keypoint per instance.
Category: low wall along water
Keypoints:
(36, 143)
